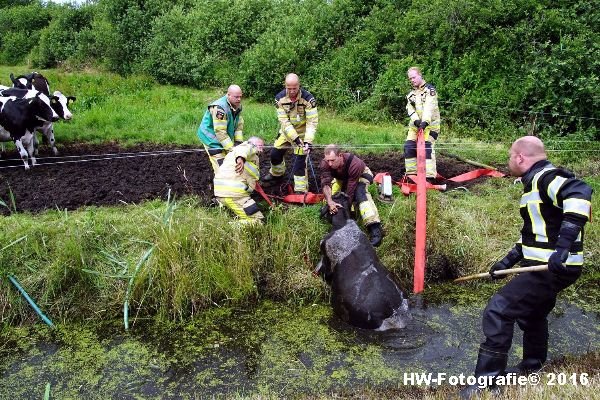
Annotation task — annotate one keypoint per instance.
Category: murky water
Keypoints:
(272, 349)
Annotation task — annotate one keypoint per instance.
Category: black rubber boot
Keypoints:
(490, 364)
(533, 359)
(376, 233)
(535, 347)
(526, 366)
(270, 179)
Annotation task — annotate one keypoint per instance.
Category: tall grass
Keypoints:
(77, 265)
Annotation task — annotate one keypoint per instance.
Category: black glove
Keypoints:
(423, 125)
(298, 141)
(417, 123)
(566, 236)
(513, 256)
(557, 260)
(237, 142)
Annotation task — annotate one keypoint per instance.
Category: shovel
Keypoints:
(509, 271)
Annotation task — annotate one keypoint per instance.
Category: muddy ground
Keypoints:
(110, 174)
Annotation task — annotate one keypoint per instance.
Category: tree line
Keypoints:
(502, 68)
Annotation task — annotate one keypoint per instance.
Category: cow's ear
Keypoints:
(71, 98)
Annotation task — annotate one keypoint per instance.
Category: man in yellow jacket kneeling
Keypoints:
(236, 178)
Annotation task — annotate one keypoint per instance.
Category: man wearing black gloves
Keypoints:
(298, 119)
(422, 108)
(555, 207)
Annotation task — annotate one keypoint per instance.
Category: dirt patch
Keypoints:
(110, 174)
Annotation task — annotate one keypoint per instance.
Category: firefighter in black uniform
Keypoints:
(555, 207)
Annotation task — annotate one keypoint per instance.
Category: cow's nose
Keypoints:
(68, 117)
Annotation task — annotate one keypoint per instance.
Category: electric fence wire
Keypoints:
(499, 147)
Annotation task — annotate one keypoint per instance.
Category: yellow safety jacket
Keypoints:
(422, 104)
(228, 183)
(297, 118)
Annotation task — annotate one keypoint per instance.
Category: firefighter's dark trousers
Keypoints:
(527, 300)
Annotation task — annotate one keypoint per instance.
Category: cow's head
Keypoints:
(338, 219)
(61, 107)
(43, 107)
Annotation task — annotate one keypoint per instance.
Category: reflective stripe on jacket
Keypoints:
(221, 133)
(550, 196)
(228, 183)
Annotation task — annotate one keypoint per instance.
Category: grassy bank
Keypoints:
(136, 109)
(79, 265)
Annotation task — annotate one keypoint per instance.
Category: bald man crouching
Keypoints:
(554, 206)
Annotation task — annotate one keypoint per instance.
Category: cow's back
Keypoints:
(364, 293)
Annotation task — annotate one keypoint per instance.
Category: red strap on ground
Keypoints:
(306, 198)
(475, 174)
(407, 188)
(260, 191)
(421, 223)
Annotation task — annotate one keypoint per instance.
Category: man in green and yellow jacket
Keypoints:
(222, 126)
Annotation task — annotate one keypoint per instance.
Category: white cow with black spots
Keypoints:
(21, 112)
(38, 82)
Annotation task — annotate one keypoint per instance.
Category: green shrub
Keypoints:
(20, 28)
(59, 41)
(302, 35)
(126, 25)
(189, 45)
(350, 72)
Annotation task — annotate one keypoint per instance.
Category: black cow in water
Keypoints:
(364, 293)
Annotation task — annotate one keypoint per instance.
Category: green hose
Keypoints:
(30, 301)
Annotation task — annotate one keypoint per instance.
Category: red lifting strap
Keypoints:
(421, 216)
(475, 174)
(306, 198)
(260, 191)
(408, 188)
